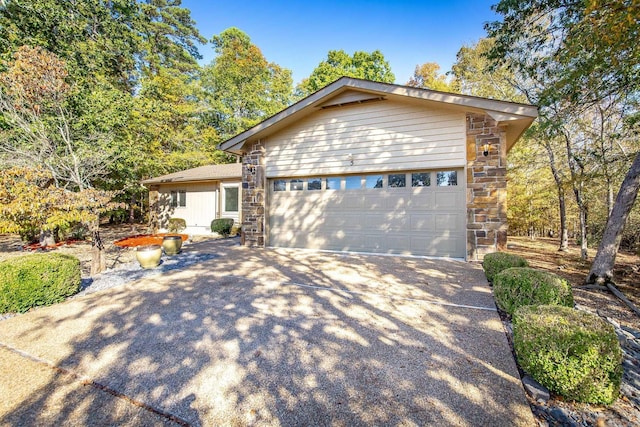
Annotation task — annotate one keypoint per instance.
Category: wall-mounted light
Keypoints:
(251, 167)
(350, 158)
(485, 150)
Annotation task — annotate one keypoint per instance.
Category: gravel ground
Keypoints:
(130, 272)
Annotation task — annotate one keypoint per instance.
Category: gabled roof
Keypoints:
(517, 117)
(202, 173)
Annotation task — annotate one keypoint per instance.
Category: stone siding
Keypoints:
(253, 196)
(486, 187)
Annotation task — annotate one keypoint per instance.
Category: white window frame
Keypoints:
(224, 199)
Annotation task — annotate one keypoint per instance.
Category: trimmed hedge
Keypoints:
(519, 286)
(176, 225)
(222, 226)
(39, 279)
(495, 262)
(573, 353)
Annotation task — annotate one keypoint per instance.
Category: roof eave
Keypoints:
(503, 111)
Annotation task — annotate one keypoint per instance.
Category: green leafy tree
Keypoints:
(40, 129)
(363, 65)
(104, 41)
(241, 87)
(428, 76)
(477, 75)
(169, 37)
(583, 53)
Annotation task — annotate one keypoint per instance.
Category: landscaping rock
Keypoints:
(536, 390)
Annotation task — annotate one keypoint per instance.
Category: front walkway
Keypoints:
(269, 337)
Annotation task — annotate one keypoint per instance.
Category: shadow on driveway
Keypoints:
(274, 337)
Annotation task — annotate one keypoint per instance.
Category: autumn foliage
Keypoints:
(30, 203)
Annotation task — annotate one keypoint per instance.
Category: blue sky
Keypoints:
(297, 35)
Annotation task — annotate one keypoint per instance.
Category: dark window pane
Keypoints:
(447, 178)
(231, 199)
(314, 184)
(296, 184)
(421, 179)
(373, 181)
(333, 183)
(279, 185)
(182, 202)
(397, 180)
(353, 183)
(174, 199)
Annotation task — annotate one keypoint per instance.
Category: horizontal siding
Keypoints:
(201, 204)
(380, 136)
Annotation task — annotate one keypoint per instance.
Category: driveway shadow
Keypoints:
(276, 337)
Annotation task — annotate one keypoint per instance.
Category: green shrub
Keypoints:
(38, 279)
(573, 353)
(495, 262)
(519, 286)
(176, 225)
(222, 226)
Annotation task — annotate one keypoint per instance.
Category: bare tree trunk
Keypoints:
(132, 212)
(602, 267)
(562, 204)
(98, 262)
(583, 224)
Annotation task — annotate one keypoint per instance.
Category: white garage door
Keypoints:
(413, 213)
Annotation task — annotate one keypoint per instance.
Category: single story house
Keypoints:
(197, 195)
(373, 167)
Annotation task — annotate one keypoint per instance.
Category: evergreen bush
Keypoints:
(573, 353)
(519, 286)
(222, 226)
(38, 279)
(495, 262)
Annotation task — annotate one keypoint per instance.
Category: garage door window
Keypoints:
(279, 185)
(353, 183)
(420, 179)
(373, 181)
(333, 183)
(314, 184)
(448, 178)
(296, 184)
(397, 180)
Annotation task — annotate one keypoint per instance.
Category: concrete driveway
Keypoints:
(269, 337)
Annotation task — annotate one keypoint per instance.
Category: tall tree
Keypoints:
(40, 130)
(585, 52)
(428, 76)
(241, 87)
(362, 65)
(169, 37)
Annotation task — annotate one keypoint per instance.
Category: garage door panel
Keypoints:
(448, 200)
(396, 200)
(422, 200)
(448, 222)
(428, 221)
(422, 222)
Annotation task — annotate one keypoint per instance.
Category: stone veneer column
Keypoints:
(486, 187)
(253, 197)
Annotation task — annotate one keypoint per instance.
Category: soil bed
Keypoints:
(146, 239)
